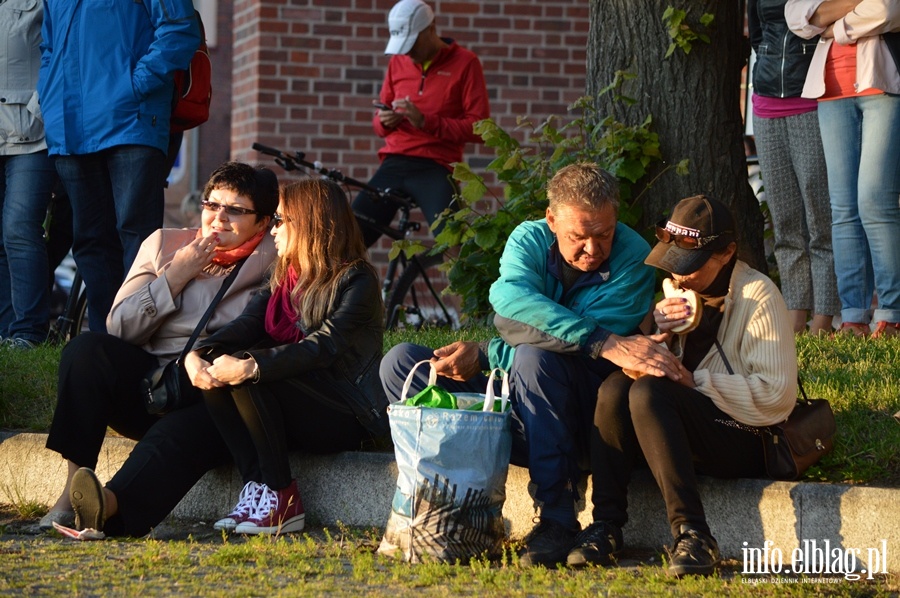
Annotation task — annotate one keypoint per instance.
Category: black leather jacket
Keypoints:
(337, 363)
(782, 58)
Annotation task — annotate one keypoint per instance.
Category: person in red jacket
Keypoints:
(433, 92)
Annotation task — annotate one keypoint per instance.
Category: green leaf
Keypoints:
(632, 170)
(473, 190)
(487, 238)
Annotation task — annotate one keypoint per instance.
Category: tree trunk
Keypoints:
(694, 100)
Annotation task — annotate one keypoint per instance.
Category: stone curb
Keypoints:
(357, 488)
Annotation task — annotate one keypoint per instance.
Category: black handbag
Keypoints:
(800, 441)
(168, 388)
(892, 41)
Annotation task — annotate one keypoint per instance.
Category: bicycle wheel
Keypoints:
(414, 302)
(70, 323)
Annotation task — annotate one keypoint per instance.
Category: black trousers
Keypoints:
(98, 387)
(679, 432)
(426, 181)
(261, 423)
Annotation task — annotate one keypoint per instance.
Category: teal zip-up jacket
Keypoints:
(531, 307)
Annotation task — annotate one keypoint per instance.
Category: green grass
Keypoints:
(859, 377)
(28, 387)
(341, 562)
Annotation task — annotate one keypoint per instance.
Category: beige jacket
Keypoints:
(864, 25)
(757, 337)
(146, 314)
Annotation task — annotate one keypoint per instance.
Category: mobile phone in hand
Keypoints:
(382, 105)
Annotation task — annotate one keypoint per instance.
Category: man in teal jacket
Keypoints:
(571, 288)
(105, 87)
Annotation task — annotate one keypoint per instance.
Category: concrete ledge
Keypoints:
(357, 488)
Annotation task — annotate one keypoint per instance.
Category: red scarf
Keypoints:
(228, 257)
(281, 318)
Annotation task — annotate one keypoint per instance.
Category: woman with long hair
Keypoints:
(298, 370)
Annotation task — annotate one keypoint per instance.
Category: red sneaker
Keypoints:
(886, 329)
(245, 507)
(277, 512)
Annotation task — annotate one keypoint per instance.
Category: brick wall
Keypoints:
(305, 71)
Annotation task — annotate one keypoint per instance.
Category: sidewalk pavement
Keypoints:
(837, 520)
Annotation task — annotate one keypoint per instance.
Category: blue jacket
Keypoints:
(531, 308)
(106, 71)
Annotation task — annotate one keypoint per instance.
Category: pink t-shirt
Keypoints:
(766, 107)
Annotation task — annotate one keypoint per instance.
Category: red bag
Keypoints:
(193, 89)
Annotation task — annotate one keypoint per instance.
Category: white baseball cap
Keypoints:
(408, 18)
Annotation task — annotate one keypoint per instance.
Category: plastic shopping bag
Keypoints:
(452, 478)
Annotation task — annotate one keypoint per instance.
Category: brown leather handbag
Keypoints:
(800, 441)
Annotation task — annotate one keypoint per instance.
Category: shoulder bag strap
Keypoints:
(212, 307)
(725, 359)
(730, 371)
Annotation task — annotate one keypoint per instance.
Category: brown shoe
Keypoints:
(853, 329)
(88, 500)
(886, 329)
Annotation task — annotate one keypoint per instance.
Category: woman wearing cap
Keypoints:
(738, 370)
(174, 277)
(857, 82)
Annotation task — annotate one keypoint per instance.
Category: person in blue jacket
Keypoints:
(105, 87)
(572, 293)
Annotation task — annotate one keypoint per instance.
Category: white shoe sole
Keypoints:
(292, 525)
(228, 524)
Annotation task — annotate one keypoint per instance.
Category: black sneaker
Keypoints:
(596, 545)
(547, 544)
(693, 553)
(88, 501)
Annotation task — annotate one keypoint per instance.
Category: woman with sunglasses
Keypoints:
(175, 276)
(738, 371)
(298, 370)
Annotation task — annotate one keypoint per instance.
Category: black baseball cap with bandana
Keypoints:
(698, 227)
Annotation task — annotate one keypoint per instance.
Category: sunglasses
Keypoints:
(278, 220)
(684, 241)
(214, 206)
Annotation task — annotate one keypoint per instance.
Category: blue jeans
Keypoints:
(861, 138)
(553, 397)
(26, 186)
(117, 201)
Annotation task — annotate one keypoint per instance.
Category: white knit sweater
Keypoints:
(758, 339)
